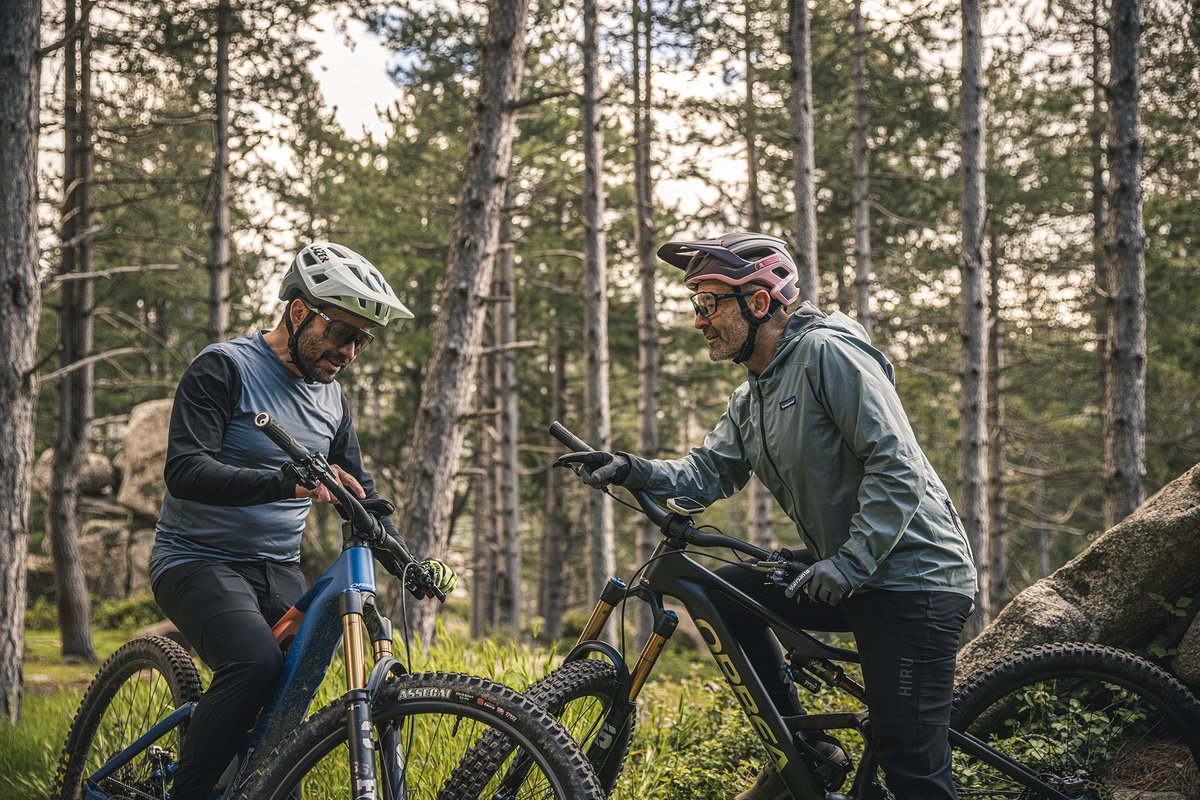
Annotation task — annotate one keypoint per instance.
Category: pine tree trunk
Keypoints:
(218, 263)
(431, 463)
(20, 307)
(595, 297)
(1099, 261)
(483, 550)
(758, 498)
(800, 75)
(72, 438)
(551, 596)
(973, 316)
(862, 184)
(510, 535)
(997, 505)
(1125, 418)
(643, 232)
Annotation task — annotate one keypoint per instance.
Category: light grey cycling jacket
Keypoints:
(824, 430)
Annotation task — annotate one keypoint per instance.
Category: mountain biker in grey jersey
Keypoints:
(820, 423)
(224, 567)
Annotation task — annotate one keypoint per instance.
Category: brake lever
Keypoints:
(300, 475)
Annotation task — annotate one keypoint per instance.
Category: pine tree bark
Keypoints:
(800, 77)
(510, 535)
(973, 316)
(218, 263)
(20, 308)
(643, 232)
(1099, 260)
(551, 597)
(997, 505)
(72, 438)
(484, 579)
(432, 460)
(600, 516)
(1125, 417)
(757, 497)
(862, 180)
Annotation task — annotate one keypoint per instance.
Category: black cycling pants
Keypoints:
(226, 610)
(907, 642)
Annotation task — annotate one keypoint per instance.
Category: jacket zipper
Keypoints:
(762, 420)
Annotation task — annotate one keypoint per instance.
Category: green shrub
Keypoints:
(136, 612)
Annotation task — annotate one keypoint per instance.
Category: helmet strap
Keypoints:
(754, 323)
(293, 343)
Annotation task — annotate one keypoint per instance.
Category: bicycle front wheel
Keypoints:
(1094, 722)
(438, 718)
(579, 694)
(139, 685)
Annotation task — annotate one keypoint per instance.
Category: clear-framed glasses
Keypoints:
(705, 303)
(342, 333)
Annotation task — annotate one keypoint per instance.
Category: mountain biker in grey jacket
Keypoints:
(820, 423)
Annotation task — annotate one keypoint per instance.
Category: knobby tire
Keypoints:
(139, 684)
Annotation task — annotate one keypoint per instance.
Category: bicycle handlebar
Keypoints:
(367, 525)
(674, 526)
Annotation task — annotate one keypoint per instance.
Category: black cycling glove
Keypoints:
(599, 469)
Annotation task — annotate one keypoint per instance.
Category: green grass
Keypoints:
(691, 741)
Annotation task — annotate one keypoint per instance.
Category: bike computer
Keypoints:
(685, 505)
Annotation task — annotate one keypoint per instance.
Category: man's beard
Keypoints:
(322, 363)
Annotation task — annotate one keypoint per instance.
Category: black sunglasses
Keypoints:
(705, 303)
(342, 333)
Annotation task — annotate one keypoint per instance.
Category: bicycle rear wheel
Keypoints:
(439, 717)
(1092, 721)
(139, 685)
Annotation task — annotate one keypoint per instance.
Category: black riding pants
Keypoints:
(907, 643)
(226, 610)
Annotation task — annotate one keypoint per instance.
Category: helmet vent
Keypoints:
(309, 259)
(319, 278)
(337, 251)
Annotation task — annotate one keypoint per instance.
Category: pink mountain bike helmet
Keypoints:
(737, 259)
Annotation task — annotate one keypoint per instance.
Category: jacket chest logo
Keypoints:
(791, 401)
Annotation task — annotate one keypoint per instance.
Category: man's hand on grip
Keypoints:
(597, 468)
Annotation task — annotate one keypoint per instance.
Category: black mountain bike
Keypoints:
(1064, 721)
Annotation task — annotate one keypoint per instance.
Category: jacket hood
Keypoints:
(808, 318)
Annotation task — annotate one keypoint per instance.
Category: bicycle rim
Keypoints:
(1093, 722)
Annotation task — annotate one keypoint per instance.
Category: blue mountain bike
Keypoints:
(392, 735)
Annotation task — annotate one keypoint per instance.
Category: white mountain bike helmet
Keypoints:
(328, 274)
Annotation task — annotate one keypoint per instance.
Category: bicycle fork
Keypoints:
(665, 621)
(359, 723)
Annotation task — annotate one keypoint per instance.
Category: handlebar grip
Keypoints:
(275, 432)
(568, 439)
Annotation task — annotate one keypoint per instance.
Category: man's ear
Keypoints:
(760, 302)
(297, 310)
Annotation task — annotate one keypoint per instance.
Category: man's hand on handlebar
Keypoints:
(597, 468)
(321, 493)
(444, 578)
(822, 581)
